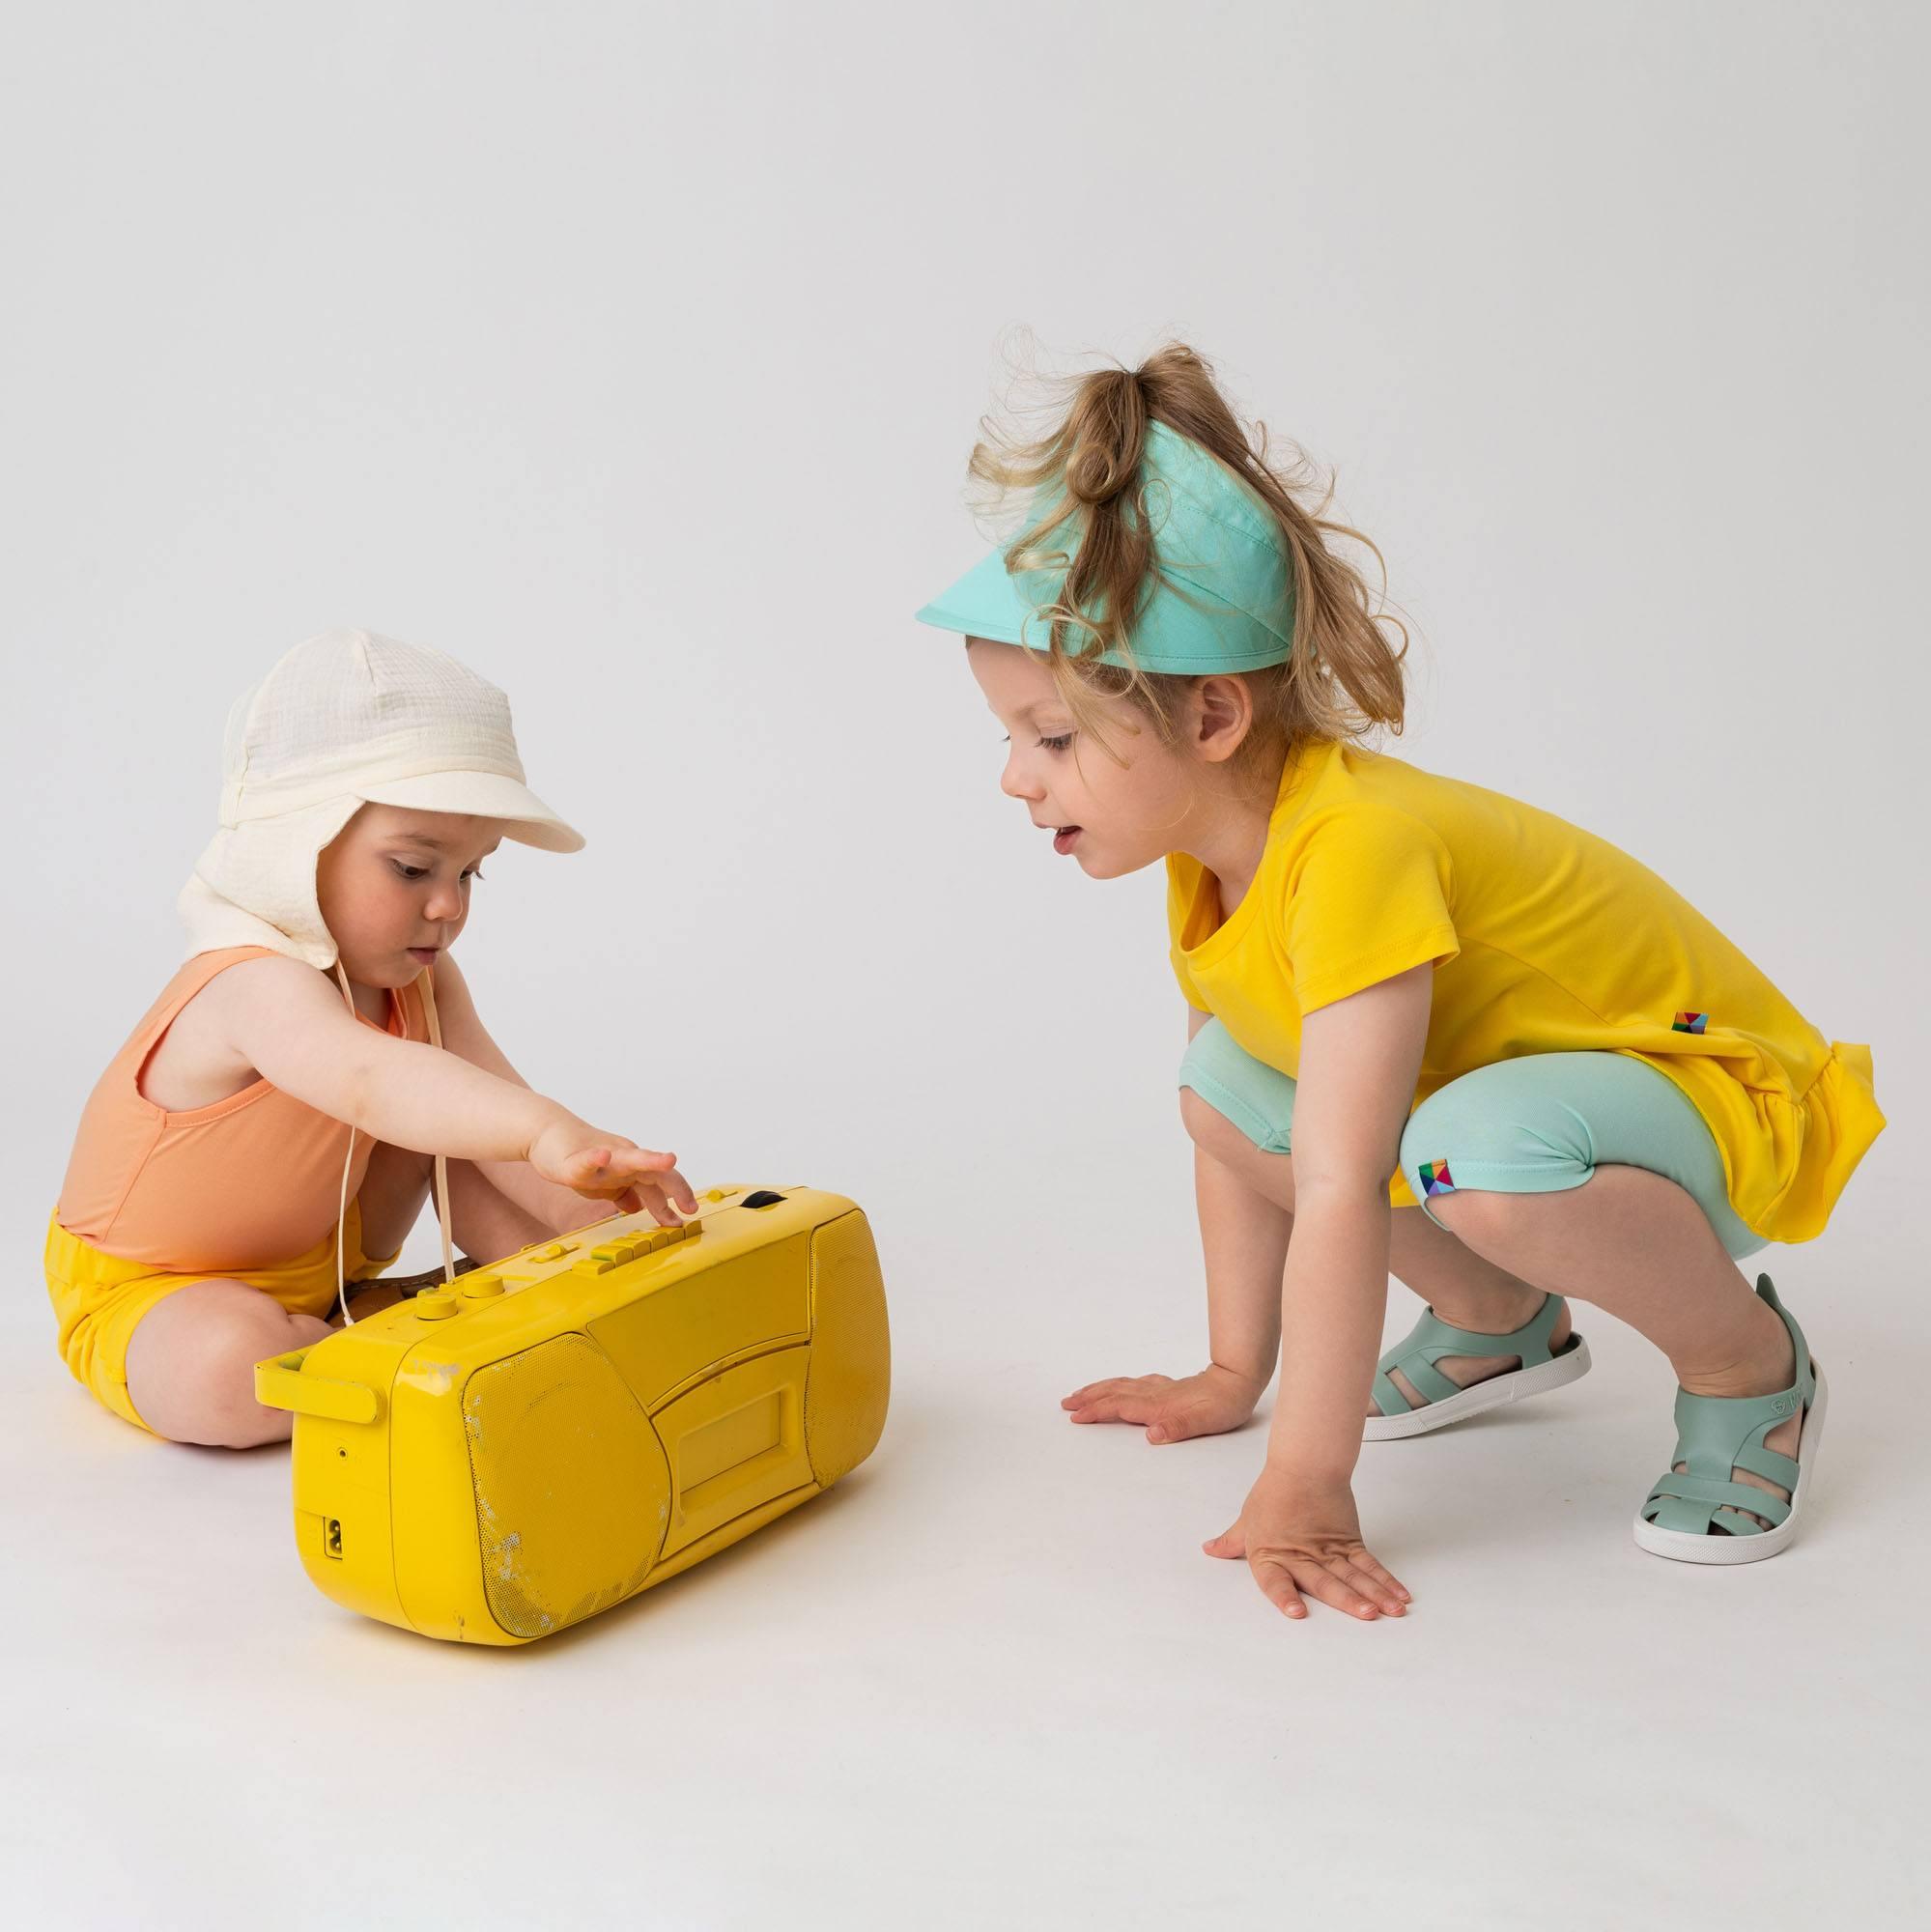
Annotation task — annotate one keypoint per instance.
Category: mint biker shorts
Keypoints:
(1531, 1125)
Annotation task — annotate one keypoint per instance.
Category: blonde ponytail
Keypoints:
(1344, 677)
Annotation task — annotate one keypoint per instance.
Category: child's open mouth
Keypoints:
(1063, 838)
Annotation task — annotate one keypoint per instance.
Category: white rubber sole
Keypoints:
(1682, 1547)
(1494, 1393)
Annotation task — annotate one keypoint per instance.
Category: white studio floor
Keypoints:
(990, 1681)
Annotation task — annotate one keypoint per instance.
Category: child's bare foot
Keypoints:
(1208, 1404)
(1465, 1371)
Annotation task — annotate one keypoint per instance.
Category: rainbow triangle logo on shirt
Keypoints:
(1435, 1178)
(1690, 1023)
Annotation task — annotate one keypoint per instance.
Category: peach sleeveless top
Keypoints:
(248, 1183)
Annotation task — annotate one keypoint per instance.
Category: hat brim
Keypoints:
(986, 603)
(480, 795)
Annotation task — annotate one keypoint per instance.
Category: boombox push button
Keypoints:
(435, 1307)
(478, 1287)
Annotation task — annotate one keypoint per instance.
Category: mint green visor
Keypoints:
(1223, 597)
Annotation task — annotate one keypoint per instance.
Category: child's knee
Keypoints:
(1233, 1104)
(1472, 1151)
(1211, 1131)
(1206, 1125)
(1431, 1147)
(486, 1223)
(1268, 1170)
(223, 1378)
(1479, 1217)
(192, 1375)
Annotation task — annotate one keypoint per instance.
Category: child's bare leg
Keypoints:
(484, 1222)
(191, 1363)
(1631, 1242)
(1463, 1288)
(192, 1359)
(1637, 1245)
(1244, 1235)
(1466, 1291)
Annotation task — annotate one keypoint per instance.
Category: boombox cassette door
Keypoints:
(735, 1443)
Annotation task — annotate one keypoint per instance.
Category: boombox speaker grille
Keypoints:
(572, 1487)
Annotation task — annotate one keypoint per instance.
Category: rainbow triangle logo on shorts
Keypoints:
(1435, 1178)
(1690, 1023)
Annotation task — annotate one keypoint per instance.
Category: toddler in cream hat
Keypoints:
(269, 1131)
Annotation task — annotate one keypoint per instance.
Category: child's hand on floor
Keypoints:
(1209, 1404)
(1299, 1535)
(607, 1167)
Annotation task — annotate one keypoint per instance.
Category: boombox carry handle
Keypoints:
(279, 1383)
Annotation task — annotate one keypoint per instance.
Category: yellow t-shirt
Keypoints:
(1545, 939)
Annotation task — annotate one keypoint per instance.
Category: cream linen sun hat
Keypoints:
(344, 719)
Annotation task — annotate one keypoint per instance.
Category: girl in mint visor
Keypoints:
(1433, 1031)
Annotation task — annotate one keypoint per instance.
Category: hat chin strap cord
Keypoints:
(427, 990)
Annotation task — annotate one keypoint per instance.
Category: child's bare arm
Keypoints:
(295, 1030)
(1298, 1530)
(1243, 1241)
(1244, 1238)
(465, 1035)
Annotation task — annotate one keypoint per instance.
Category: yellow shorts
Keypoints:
(99, 1299)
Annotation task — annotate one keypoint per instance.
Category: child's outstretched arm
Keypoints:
(1243, 1240)
(294, 1029)
(1359, 1061)
(465, 1035)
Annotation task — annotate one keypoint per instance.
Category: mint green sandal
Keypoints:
(1443, 1402)
(1692, 1516)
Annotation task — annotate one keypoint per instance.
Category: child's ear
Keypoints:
(1225, 714)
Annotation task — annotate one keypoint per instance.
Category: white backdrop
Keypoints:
(633, 355)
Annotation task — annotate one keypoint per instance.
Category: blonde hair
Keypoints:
(1344, 678)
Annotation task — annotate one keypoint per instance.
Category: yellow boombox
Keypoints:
(500, 1458)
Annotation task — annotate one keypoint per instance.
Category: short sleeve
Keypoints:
(1369, 897)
